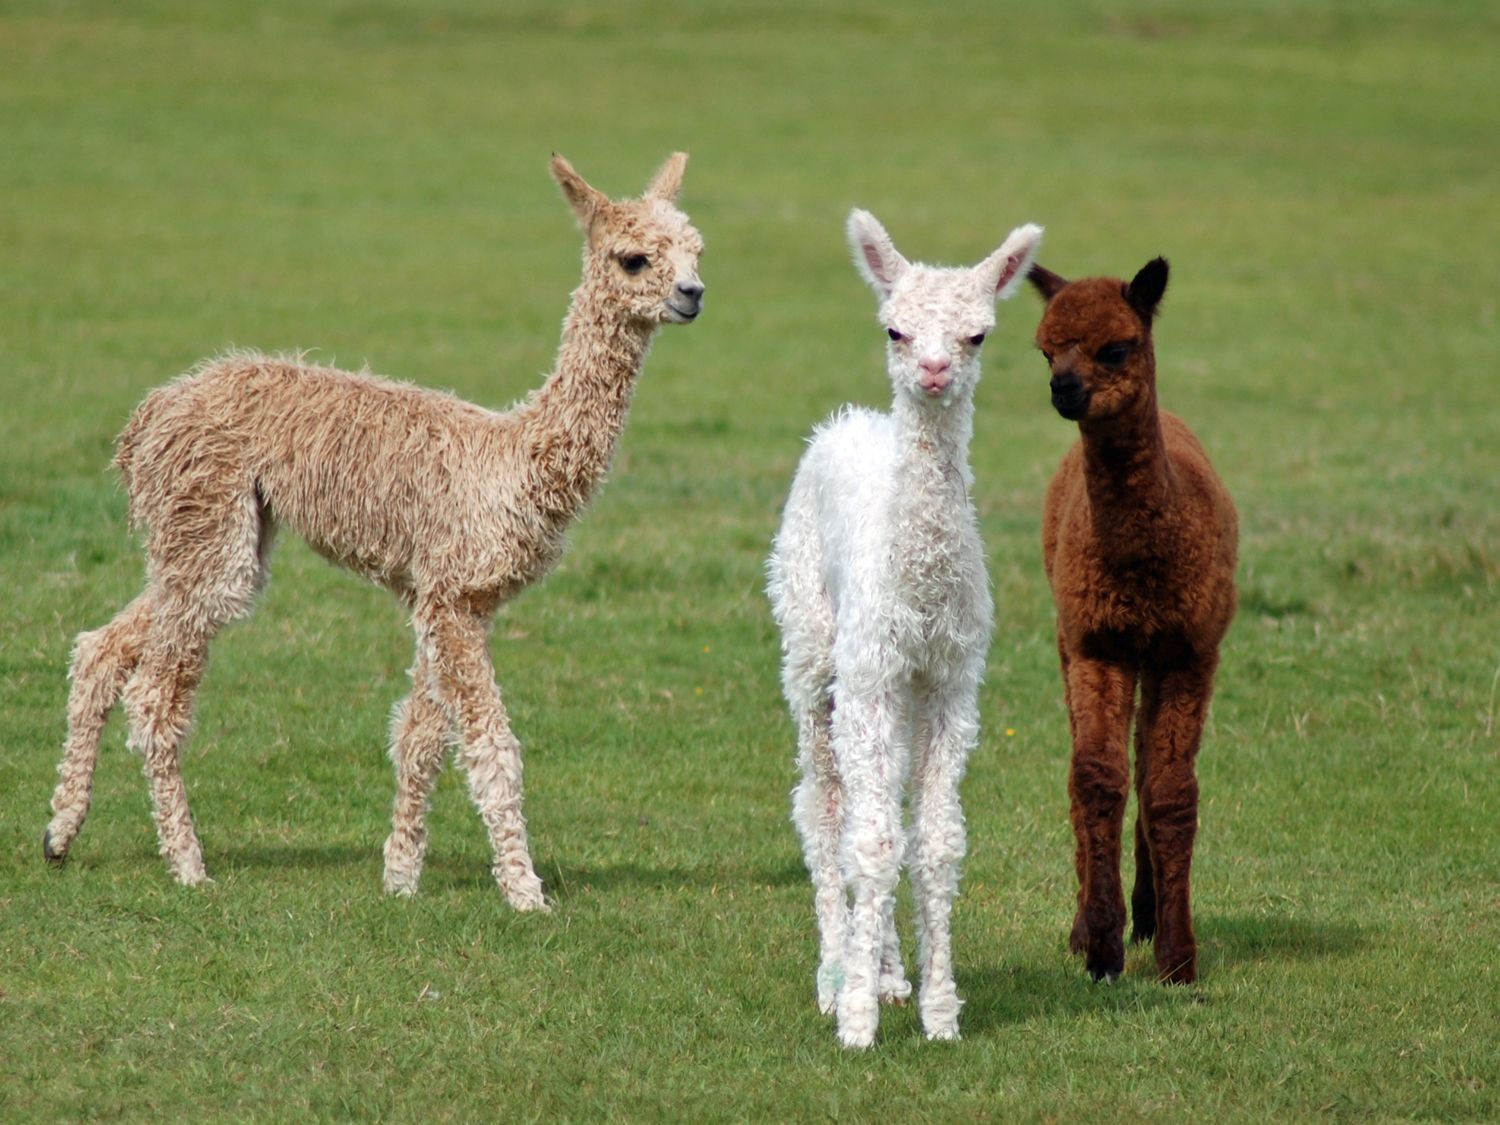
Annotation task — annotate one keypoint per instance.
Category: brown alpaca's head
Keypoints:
(1096, 336)
(642, 254)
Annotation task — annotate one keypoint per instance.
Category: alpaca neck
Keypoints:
(571, 425)
(1129, 477)
(932, 457)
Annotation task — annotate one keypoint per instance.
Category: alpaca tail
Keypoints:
(103, 661)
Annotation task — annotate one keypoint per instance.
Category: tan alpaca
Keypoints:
(452, 507)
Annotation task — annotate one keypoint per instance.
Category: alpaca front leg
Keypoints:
(938, 844)
(420, 733)
(1102, 698)
(463, 679)
(102, 662)
(1169, 802)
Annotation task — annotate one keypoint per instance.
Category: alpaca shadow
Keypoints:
(306, 856)
(567, 880)
(999, 996)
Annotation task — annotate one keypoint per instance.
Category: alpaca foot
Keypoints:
(1177, 968)
(525, 894)
(859, 1016)
(403, 865)
(53, 855)
(829, 980)
(894, 989)
(1104, 957)
(939, 1005)
(1142, 929)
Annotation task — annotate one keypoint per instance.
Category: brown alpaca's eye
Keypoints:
(975, 341)
(634, 263)
(894, 335)
(1112, 355)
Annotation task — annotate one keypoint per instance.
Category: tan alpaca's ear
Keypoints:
(1046, 282)
(668, 181)
(587, 201)
(1004, 270)
(875, 255)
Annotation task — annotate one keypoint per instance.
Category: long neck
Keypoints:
(1129, 476)
(571, 425)
(932, 442)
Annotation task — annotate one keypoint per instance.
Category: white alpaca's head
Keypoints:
(642, 254)
(937, 317)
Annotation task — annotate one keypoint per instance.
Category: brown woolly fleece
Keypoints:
(1139, 538)
(453, 507)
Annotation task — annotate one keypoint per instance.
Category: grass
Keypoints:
(369, 180)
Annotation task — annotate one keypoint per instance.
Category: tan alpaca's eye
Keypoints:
(634, 263)
(894, 335)
(1112, 355)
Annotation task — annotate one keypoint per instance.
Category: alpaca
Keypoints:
(878, 583)
(1139, 539)
(452, 507)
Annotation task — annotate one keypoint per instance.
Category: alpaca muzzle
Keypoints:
(686, 301)
(1070, 397)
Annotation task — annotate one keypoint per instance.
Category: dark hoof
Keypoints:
(52, 857)
(1108, 976)
(1184, 971)
(1142, 931)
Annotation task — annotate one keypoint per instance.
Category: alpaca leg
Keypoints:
(894, 987)
(865, 738)
(938, 844)
(1102, 697)
(463, 679)
(102, 662)
(159, 707)
(420, 735)
(1078, 936)
(1170, 799)
(818, 813)
(1143, 897)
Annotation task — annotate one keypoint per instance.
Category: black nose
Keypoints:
(693, 292)
(1066, 385)
(1070, 397)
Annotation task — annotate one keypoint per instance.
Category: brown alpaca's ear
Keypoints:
(1145, 290)
(587, 201)
(668, 181)
(1046, 282)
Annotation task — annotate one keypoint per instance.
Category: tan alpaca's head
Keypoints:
(1096, 337)
(642, 254)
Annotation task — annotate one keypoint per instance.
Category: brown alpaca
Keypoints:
(452, 507)
(1139, 538)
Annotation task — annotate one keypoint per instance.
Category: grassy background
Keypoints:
(369, 180)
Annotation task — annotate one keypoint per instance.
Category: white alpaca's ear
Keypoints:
(586, 200)
(875, 255)
(668, 181)
(1004, 270)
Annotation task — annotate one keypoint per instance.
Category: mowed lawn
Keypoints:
(369, 181)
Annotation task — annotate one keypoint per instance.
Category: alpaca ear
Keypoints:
(587, 201)
(1145, 290)
(1003, 271)
(875, 255)
(1047, 283)
(668, 181)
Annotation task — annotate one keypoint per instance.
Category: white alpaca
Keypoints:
(878, 582)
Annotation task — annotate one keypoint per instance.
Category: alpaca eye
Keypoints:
(1112, 355)
(894, 335)
(634, 263)
(975, 341)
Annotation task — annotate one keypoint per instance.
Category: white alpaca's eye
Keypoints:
(976, 340)
(894, 335)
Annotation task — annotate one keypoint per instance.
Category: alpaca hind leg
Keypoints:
(818, 813)
(1171, 803)
(464, 680)
(1143, 896)
(420, 735)
(1102, 697)
(894, 987)
(103, 661)
(938, 844)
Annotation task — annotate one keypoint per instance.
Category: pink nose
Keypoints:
(935, 374)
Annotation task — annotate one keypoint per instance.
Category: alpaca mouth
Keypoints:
(1072, 407)
(681, 315)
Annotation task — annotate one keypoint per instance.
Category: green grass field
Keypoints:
(370, 181)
